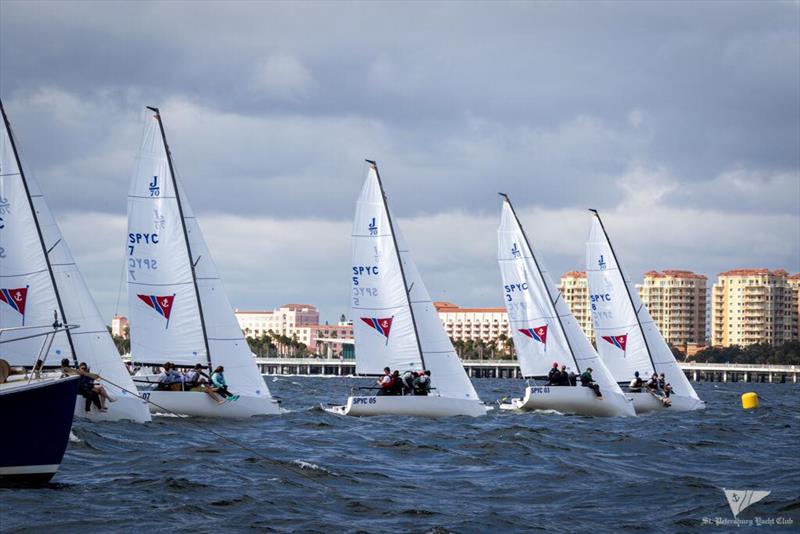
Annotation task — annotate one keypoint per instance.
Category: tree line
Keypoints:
(760, 353)
(270, 345)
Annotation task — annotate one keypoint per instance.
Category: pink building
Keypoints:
(119, 326)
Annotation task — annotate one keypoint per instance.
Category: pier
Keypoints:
(696, 372)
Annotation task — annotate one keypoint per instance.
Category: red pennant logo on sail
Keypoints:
(537, 333)
(160, 303)
(15, 298)
(618, 341)
(381, 325)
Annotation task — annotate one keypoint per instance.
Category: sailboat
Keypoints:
(395, 323)
(627, 338)
(37, 410)
(178, 308)
(39, 277)
(544, 331)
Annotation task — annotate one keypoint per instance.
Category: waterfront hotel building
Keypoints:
(574, 288)
(754, 306)
(676, 300)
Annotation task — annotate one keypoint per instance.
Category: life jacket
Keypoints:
(218, 379)
(387, 384)
(86, 384)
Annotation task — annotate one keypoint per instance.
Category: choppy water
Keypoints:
(504, 472)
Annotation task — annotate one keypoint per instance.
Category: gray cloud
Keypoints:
(689, 110)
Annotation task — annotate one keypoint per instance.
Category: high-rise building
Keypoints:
(794, 283)
(753, 306)
(676, 300)
(574, 288)
(464, 324)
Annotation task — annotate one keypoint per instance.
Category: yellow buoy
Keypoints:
(750, 401)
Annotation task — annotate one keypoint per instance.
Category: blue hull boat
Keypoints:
(37, 418)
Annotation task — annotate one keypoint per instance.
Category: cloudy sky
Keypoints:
(679, 121)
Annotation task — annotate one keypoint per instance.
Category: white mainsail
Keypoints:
(542, 325)
(627, 337)
(395, 323)
(178, 308)
(40, 281)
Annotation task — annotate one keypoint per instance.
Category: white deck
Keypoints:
(645, 402)
(411, 405)
(199, 404)
(573, 400)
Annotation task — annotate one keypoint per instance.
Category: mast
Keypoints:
(39, 232)
(185, 236)
(627, 289)
(541, 277)
(400, 261)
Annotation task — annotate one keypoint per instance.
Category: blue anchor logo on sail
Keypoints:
(160, 221)
(373, 227)
(601, 262)
(155, 190)
(515, 251)
(5, 206)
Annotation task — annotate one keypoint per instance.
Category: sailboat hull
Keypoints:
(39, 416)
(126, 408)
(573, 400)
(199, 404)
(410, 405)
(645, 402)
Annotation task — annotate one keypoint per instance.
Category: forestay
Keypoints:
(29, 296)
(386, 333)
(166, 316)
(542, 325)
(627, 337)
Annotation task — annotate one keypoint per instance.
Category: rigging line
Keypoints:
(119, 289)
(189, 420)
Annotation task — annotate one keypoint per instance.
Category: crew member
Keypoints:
(636, 384)
(588, 381)
(554, 376)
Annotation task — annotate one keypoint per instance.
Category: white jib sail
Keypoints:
(383, 327)
(165, 314)
(542, 325)
(25, 281)
(627, 337)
